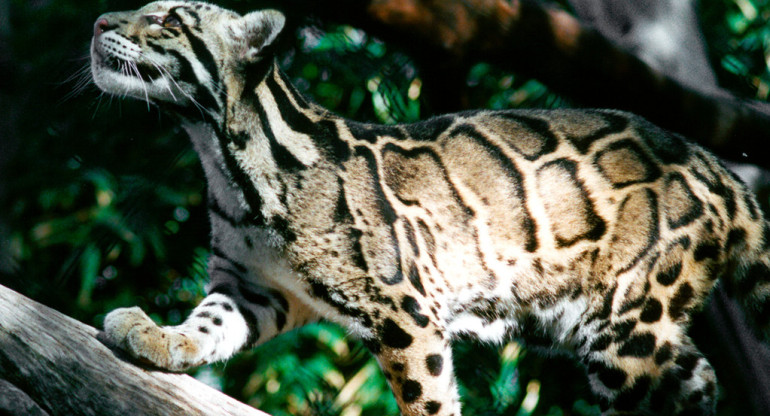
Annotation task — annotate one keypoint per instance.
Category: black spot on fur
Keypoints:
(370, 132)
(412, 307)
(435, 364)
(652, 311)
(664, 353)
(629, 399)
(432, 407)
(695, 397)
(668, 147)
(623, 329)
(411, 390)
(540, 130)
(614, 124)
(706, 250)
(735, 237)
(321, 291)
(282, 302)
(280, 320)
(681, 299)
(668, 277)
(632, 304)
(687, 363)
(431, 128)
(358, 252)
(602, 342)
(715, 184)
(254, 297)
(414, 279)
(676, 184)
(640, 345)
(411, 239)
(393, 336)
(239, 139)
(613, 378)
(606, 309)
(667, 388)
(342, 212)
(372, 345)
(282, 227)
(710, 389)
(203, 329)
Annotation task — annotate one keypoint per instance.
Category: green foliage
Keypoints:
(107, 203)
(383, 85)
(315, 370)
(490, 87)
(739, 39)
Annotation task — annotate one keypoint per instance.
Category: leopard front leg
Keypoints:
(177, 348)
(232, 317)
(416, 358)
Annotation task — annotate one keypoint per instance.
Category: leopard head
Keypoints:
(182, 53)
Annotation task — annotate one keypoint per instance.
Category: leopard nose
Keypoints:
(101, 26)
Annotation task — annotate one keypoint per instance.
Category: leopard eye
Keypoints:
(153, 19)
(171, 21)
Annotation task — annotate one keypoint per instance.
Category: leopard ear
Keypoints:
(256, 31)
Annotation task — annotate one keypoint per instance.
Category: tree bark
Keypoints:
(665, 34)
(54, 365)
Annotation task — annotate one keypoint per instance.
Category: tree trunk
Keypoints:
(665, 34)
(51, 364)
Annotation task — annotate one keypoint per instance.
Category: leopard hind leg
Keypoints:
(635, 369)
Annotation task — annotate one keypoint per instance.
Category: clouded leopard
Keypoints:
(592, 228)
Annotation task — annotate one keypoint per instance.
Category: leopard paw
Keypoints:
(134, 331)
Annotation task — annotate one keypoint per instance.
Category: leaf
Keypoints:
(90, 262)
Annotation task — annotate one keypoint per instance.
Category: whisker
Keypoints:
(81, 78)
(135, 69)
(98, 104)
(166, 79)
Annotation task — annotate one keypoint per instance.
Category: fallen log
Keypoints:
(51, 364)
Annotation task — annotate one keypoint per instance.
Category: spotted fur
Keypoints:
(591, 229)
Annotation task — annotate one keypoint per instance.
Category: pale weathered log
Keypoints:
(13, 401)
(59, 363)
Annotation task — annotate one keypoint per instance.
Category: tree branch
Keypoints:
(58, 363)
